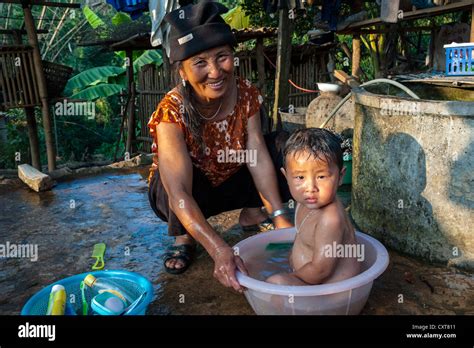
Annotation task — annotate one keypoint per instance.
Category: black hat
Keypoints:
(196, 28)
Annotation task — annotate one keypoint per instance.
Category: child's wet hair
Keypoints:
(319, 142)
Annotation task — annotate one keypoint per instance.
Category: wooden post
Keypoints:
(472, 24)
(42, 89)
(356, 56)
(131, 104)
(282, 87)
(431, 50)
(166, 69)
(33, 137)
(261, 66)
(30, 120)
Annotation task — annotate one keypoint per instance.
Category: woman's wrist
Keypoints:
(218, 250)
(282, 221)
(278, 212)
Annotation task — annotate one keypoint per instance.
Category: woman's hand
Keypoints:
(225, 265)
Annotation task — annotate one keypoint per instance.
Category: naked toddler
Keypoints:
(313, 167)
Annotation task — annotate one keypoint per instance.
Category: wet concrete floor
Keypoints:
(113, 208)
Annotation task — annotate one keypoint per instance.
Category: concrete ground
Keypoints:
(113, 208)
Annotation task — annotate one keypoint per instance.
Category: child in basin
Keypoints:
(313, 167)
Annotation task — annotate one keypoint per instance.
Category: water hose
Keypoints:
(373, 82)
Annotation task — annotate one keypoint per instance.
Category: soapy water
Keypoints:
(264, 264)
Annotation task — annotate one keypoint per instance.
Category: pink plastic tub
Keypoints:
(341, 298)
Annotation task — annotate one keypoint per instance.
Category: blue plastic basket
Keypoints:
(133, 282)
(460, 59)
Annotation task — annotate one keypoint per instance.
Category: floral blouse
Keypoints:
(219, 137)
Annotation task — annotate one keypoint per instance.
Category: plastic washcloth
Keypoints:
(279, 246)
(98, 253)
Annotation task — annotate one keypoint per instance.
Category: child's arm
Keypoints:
(329, 230)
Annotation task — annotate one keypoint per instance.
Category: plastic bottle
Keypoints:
(57, 301)
(100, 285)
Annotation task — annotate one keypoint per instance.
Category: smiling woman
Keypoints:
(210, 112)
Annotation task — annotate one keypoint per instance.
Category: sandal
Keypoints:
(183, 252)
(265, 225)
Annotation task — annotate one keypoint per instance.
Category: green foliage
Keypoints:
(99, 91)
(91, 77)
(103, 81)
(94, 20)
(17, 141)
(121, 18)
(303, 21)
(148, 57)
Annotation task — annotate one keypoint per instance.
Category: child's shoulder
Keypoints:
(332, 215)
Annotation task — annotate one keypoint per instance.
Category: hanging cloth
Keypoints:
(160, 28)
(134, 8)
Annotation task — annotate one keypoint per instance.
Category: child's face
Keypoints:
(312, 182)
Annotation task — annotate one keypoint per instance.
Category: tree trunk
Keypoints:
(42, 89)
(282, 87)
(33, 137)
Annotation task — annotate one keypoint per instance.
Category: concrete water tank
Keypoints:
(413, 175)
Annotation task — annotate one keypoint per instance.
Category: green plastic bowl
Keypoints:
(348, 176)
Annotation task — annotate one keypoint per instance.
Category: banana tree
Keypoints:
(105, 81)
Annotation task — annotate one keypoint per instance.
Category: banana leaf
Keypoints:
(237, 18)
(99, 91)
(121, 18)
(90, 77)
(148, 57)
(93, 19)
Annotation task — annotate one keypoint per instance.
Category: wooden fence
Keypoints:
(17, 78)
(18, 84)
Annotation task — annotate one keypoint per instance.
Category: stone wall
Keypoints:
(413, 176)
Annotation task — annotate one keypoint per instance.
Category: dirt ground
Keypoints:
(113, 208)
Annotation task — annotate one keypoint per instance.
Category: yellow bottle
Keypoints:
(59, 302)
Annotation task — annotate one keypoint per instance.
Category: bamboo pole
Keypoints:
(166, 68)
(20, 93)
(356, 56)
(131, 92)
(53, 18)
(78, 28)
(56, 30)
(472, 23)
(33, 137)
(43, 13)
(69, 34)
(41, 79)
(285, 30)
(32, 78)
(30, 112)
(29, 96)
(7, 80)
(6, 22)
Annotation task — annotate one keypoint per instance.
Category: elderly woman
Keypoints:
(211, 155)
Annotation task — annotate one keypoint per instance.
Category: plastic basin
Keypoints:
(346, 297)
(135, 283)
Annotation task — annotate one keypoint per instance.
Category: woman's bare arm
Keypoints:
(263, 173)
(176, 173)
